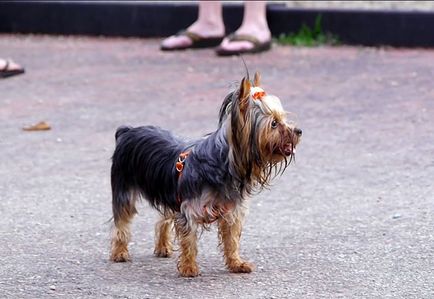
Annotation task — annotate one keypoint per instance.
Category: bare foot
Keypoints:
(201, 28)
(9, 65)
(260, 33)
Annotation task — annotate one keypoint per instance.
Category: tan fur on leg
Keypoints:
(230, 234)
(187, 236)
(163, 238)
(120, 238)
(121, 234)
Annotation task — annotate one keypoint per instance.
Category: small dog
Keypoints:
(194, 184)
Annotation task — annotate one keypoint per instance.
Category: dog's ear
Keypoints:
(257, 79)
(244, 94)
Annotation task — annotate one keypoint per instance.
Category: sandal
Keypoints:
(6, 72)
(197, 41)
(257, 45)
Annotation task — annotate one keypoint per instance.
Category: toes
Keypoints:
(163, 252)
(241, 267)
(120, 257)
(176, 42)
(237, 45)
(189, 271)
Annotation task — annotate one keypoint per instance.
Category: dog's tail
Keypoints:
(123, 199)
(121, 130)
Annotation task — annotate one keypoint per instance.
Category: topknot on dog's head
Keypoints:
(241, 96)
(250, 94)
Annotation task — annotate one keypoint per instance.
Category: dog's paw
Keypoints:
(120, 257)
(189, 270)
(241, 267)
(163, 252)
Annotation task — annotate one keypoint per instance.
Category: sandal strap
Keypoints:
(193, 36)
(244, 37)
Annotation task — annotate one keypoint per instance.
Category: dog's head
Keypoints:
(261, 137)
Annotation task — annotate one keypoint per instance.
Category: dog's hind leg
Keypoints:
(187, 236)
(163, 236)
(123, 211)
(230, 234)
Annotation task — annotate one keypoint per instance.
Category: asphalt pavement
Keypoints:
(352, 218)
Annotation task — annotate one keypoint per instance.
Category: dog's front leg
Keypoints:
(230, 234)
(187, 236)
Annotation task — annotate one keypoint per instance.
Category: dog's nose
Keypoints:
(298, 132)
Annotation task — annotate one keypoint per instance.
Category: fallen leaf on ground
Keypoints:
(40, 126)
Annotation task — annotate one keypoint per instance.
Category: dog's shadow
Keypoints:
(145, 267)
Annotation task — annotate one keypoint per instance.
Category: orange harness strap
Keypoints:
(181, 161)
(179, 168)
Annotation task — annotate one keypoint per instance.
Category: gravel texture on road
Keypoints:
(352, 218)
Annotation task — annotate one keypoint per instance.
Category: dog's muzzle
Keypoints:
(288, 148)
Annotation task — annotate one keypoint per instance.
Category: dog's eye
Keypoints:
(274, 124)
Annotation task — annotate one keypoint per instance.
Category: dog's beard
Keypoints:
(257, 153)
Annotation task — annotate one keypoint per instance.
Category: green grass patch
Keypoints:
(309, 37)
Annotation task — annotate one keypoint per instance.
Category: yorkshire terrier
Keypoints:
(194, 184)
